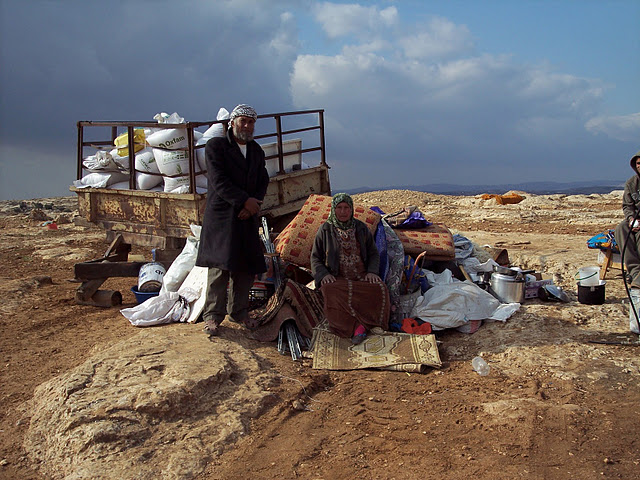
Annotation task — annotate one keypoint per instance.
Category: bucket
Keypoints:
(589, 276)
(635, 298)
(142, 297)
(150, 277)
(591, 295)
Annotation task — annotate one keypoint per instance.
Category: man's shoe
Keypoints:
(211, 327)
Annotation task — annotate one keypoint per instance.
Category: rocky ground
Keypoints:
(86, 395)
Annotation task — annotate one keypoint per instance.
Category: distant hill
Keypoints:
(539, 188)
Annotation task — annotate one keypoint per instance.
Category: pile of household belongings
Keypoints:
(423, 300)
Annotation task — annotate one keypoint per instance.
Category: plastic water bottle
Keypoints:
(480, 366)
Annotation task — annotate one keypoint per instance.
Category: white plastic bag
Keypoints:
(451, 305)
(165, 308)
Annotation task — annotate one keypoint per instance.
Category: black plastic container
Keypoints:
(592, 295)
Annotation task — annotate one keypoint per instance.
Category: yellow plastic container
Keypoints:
(139, 142)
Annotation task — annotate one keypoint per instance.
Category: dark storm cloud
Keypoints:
(69, 61)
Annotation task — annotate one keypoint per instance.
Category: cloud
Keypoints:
(440, 39)
(339, 20)
(133, 59)
(622, 127)
(420, 95)
(421, 100)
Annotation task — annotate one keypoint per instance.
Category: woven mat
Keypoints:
(388, 351)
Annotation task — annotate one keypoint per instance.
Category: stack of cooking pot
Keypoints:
(508, 284)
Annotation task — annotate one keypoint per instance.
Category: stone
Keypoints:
(158, 405)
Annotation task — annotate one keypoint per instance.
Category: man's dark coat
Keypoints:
(226, 242)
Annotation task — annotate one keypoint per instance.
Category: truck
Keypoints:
(294, 145)
(162, 220)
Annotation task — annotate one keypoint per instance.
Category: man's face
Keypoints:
(638, 164)
(243, 129)
(343, 211)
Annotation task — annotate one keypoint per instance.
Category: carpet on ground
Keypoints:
(386, 351)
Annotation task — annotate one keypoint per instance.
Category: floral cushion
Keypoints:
(295, 242)
(436, 240)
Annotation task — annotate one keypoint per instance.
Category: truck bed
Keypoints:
(162, 220)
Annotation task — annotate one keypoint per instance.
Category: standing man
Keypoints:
(630, 207)
(230, 245)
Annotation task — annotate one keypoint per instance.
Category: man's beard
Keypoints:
(245, 137)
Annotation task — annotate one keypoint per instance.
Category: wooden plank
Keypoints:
(91, 271)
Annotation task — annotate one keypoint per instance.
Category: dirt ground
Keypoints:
(561, 400)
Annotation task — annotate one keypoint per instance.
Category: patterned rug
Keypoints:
(388, 351)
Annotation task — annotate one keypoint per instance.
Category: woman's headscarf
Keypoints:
(333, 220)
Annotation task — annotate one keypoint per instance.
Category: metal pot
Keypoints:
(507, 288)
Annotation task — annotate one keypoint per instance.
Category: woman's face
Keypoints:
(343, 211)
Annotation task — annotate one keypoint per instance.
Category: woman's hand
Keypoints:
(372, 278)
(327, 279)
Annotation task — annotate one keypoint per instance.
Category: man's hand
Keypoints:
(372, 278)
(244, 214)
(252, 205)
(327, 279)
(634, 228)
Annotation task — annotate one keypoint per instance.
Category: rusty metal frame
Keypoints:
(190, 126)
(162, 220)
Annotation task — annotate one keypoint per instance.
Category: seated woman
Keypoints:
(345, 262)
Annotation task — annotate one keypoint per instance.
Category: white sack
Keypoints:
(101, 161)
(146, 161)
(146, 181)
(200, 153)
(181, 266)
(122, 162)
(119, 186)
(451, 305)
(171, 138)
(217, 129)
(100, 180)
(201, 181)
(173, 163)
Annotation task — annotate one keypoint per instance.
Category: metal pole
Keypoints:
(323, 157)
(280, 155)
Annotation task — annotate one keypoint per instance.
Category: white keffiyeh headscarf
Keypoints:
(243, 110)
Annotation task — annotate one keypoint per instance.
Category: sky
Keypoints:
(415, 92)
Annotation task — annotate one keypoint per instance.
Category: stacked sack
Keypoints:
(147, 174)
(101, 171)
(215, 130)
(161, 158)
(169, 150)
